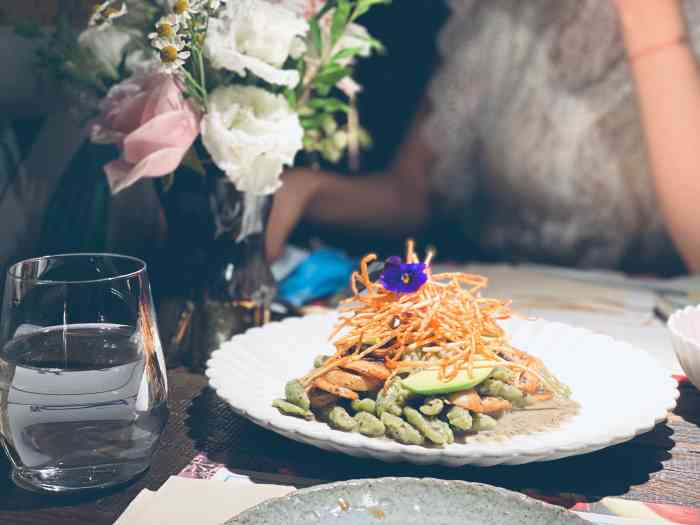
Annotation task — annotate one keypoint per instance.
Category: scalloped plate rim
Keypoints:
(319, 435)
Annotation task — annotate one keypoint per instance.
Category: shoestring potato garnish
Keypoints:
(420, 358)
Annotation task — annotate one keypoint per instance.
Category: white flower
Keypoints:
(255, 36)
(298, 48)
(171, 53)
(104, 13)
(251, 134)
(166, 28)
(349, 86)
(185, 9)
(108, 45)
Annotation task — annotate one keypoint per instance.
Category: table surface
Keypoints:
(660, 466)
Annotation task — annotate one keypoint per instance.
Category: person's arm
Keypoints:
(667, 77)
(396, 202)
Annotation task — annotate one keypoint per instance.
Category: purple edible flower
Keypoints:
(401, 277)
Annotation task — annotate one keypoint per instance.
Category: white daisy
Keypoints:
(172, 53)
(166, 28)
(185, 9)
(104, 13)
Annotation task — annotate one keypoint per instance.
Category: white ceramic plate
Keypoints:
(684, 326)
(622, 391)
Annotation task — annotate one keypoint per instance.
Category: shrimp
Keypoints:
(320, 399)
(468, 399)
(473, 402)
(490, 405)
(354, 382)
(368, 368)
(340, 391)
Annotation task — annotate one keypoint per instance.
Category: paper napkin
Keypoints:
(182, 501)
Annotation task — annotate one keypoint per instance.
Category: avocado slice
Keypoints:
(428, 382)
(369, 340)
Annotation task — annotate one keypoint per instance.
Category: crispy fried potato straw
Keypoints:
(445, 325)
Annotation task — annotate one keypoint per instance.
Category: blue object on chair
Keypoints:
(323, 273)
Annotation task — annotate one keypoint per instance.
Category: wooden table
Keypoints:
(660, 466)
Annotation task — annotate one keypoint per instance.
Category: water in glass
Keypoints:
(83, 404)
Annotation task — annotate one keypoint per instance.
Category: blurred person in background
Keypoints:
(564, 132)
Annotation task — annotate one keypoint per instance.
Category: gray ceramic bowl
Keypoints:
(405, 501)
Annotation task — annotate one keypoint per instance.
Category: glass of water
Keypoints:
(83, 390)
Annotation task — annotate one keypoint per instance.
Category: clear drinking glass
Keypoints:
(83, 390)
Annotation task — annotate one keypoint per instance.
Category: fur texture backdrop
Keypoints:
(538, 134)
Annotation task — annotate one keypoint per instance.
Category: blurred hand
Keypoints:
(299, 188)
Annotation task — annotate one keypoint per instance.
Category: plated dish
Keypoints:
(617, 391)
(405, 501)
(420, 358)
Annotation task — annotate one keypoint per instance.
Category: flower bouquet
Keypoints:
(228, 92)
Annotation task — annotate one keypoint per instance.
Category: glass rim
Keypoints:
(11, 271)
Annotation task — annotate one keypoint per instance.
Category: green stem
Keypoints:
(195, 95)
(192, 90)
(193, 83)
(326, 55)
(202, 78)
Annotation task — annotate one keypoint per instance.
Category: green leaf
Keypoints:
(308, 142)
(341, 17)
(373, 42)
(330, 105)
(313, 122)
(329, 68)
(346, 53)
(291, 97)
(331, 76)
(365, 5)
(328, 124)
(316, 40)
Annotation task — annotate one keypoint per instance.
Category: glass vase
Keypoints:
(240, 285)
(217, 242)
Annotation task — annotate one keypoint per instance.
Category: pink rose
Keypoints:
(154, 126)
